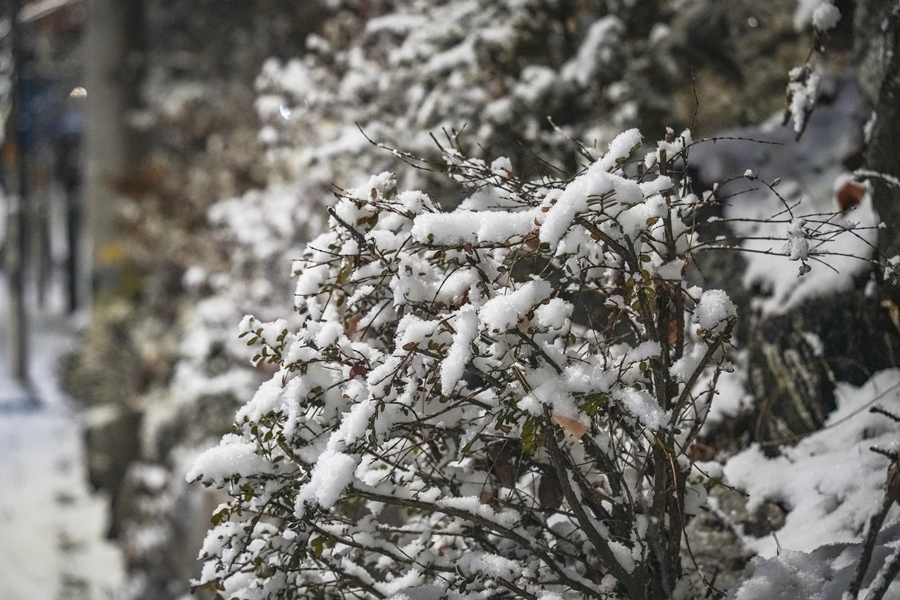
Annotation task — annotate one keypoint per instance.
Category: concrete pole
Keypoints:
(15, 182)
(111, 81)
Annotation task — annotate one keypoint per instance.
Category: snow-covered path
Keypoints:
(52, 527)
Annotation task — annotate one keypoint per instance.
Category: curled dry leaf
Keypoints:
(504, 461)
(358, 370)
(351, 328)
(576, 428)
(893, 481)
(850, 195)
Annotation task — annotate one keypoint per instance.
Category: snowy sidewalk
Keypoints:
(52, 544)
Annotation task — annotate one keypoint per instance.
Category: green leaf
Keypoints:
(594, 403)
(532, 436)
(219, 516)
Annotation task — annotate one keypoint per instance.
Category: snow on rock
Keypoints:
(808, 170)
(830, 481)
(823, 574)
(793, 575)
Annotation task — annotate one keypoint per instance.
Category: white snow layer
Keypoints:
(233, 456)
(714, 310)
(821, 14)
(830, 481)
(504, 312)
(52, 528)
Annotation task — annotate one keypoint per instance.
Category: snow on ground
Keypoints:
(52, 527)
(831, 483)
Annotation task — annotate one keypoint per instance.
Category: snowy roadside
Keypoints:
(52, 527)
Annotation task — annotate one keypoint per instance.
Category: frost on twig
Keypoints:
(797, 246)
(802, 93)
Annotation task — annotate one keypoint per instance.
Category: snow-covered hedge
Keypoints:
(497, 397)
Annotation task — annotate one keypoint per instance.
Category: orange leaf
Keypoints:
(850, 195)
(576, 428)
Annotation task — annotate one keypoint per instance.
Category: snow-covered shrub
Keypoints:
(395, 73)
(500, 397)
(502, 67)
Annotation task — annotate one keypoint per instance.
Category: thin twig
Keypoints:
(868, 547)
(886, 575)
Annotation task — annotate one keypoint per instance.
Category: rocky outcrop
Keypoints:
(797, 358)
(877, 51)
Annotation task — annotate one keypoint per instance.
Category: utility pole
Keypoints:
(16, 188)
(112, 66)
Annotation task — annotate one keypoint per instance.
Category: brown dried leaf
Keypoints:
(358, 370)
(550, 494)
(893, 481)
(850, 195)
(351, 327)
(504, 459)
(576, 428)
